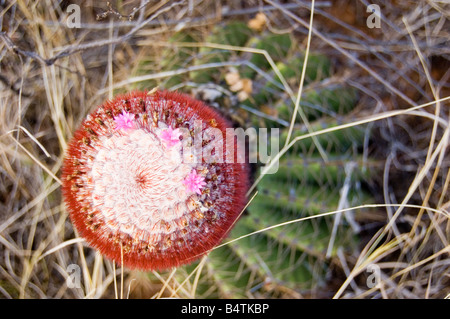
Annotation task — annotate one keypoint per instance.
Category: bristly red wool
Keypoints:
(194, 225)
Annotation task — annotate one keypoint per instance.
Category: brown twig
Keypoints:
(128, 17)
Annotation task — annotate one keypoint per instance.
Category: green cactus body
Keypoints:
(233, 34)
(276, 45)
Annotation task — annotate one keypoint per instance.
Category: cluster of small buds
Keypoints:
(195, 182)
(171, 137)
(131, 194)
(124, 121)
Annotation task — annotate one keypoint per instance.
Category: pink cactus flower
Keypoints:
(124, 121)
(194, 182)
(171, 137)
